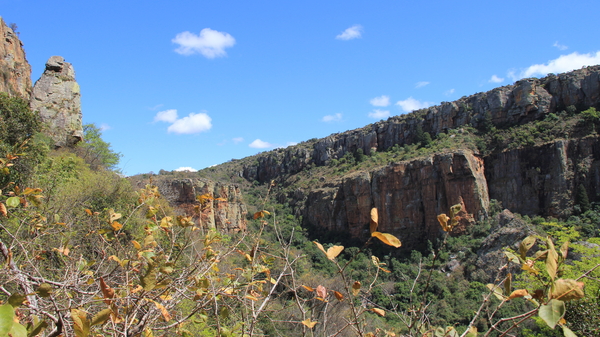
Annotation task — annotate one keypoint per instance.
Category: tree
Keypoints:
(95, 151)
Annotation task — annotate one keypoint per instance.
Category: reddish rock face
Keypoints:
(15, 71)
(408, 196)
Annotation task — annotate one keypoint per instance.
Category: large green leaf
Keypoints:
(17, 330)
(567, 332)
(552, 312)
(7, 312)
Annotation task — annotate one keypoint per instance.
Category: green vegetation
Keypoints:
(86, 254)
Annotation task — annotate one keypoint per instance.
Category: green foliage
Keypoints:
(581, 199)
(591, 115)
(95, 151)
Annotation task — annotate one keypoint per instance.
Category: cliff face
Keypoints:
(535, 180)
(228, 215)
(408, 195)
(57, 98)
(14, 68)
(524, 101)
(543, 179)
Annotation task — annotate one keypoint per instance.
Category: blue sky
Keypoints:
(196, 83)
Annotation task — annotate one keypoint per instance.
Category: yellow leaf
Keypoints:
(308, 288)
(116, 226)
(443, 220)
(250, 297)
(496, 291)
(388, 239)
(378, 311)
(374, 219)
(338, 295)
(89, 212)
(136, 245)
(163, 311)
(355, 288)
(332, 252)
(308, 323)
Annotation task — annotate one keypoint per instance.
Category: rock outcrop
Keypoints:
(56, 96)
(14, 69)
(408, 195)
(526, 100)
(536, 180)
(224, 211)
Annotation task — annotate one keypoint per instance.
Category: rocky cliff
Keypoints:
(408, 195)
(15, 70)
(530, 180)
(57, 98)
(526, 100)
(224, 210)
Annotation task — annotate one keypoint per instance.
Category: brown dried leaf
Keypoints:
(378, 311)
(338, 295)
(321, 291)
(107, 292)
(356, 288)
(567, 290)
(518, 293)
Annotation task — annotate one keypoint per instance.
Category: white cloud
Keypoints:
(169, 116)
(105, 127)
(421, 84)
(291, 144)
(353, 32)
(193, 123)
(259, 144)
(449, 92)
(332, 118)
(237, 140)
(411, 104)
(382, 100)
(186, 169)
(562, 64)
(379, 114)
(210, 43)
(560, 46)
(496, 79)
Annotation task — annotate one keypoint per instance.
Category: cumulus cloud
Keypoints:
(351, 33)
(496, 79)
(411, 104)
(169, 116)
(209, 43)
(193, 123)
(259, 144)
(421, 84)
(382, 100)
(332, 118)
(379, 114)
(560, 46)
(186, 169)
(237, 140)
(561, 64)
